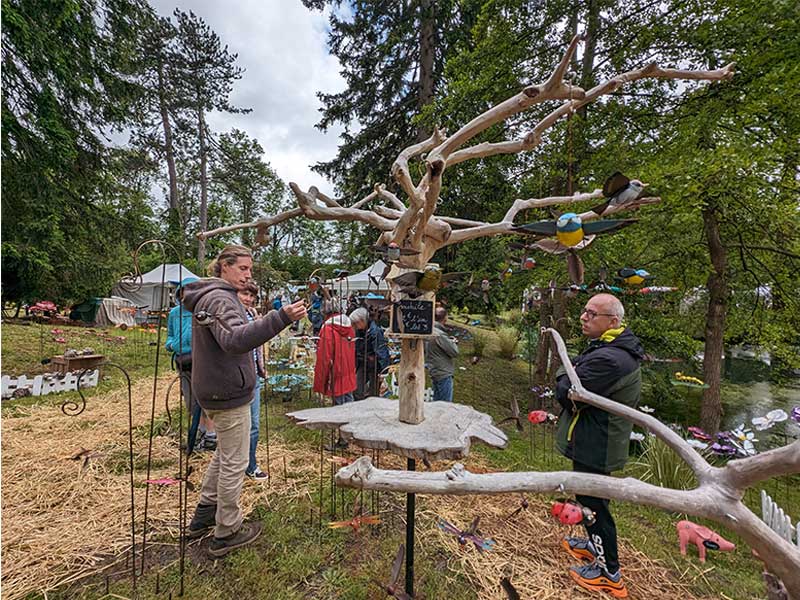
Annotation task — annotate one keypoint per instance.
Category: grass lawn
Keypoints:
(296, 558)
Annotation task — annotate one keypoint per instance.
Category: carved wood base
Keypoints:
(445, 434)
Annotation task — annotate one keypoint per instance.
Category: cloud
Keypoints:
(283, 48)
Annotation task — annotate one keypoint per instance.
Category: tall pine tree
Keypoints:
(67, 77)
(206, 72)
(392, 56)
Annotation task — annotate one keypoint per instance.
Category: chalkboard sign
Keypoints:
(412, 317)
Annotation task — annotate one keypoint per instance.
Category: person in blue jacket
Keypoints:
(372, 354)
(179, 343)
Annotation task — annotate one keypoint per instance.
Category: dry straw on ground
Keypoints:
(64, 519)
(528, 550)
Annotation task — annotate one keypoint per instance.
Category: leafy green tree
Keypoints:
(159, 109)
(66, 79)
(241, 178)
(392, 55)
(723, 157)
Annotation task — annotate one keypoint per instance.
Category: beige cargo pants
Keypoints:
(222, 484)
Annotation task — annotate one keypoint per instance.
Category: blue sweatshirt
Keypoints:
(179, 331)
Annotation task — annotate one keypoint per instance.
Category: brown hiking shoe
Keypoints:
(204, 519)
(247, 533)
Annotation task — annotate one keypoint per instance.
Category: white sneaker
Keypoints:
(257, 475)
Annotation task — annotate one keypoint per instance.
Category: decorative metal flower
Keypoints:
(723, 449)
(743, 440)
(770, 419)
(699, 434)
(796, 414)
(646, 409)
(697, 444)
(542, 392)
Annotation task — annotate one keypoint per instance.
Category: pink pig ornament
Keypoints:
(702, 537)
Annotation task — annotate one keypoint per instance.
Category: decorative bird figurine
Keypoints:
(619, 190)
(392, 252)
(569, 229)
(571, 234)
(633, 276)
(415, 283)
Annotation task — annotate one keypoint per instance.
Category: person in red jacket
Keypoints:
(335, 370)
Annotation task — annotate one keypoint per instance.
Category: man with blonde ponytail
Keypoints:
(223, 380)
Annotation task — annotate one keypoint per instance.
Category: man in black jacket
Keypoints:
(596, 441)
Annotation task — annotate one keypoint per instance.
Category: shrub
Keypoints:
(479, 340)
(513, 317)
(507, 340)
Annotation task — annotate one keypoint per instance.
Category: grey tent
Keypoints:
(149, 291)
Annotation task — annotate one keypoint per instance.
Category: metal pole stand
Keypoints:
(410, 513)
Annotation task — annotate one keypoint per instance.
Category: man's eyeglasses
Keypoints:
(592, 314)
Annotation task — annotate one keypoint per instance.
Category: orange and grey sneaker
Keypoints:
(595, 578)
(579, 548)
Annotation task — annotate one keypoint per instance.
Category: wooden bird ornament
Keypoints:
(620, 191)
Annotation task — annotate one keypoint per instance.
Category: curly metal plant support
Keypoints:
(134, 282)
(64, 409)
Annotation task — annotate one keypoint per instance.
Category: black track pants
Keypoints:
(603, 533)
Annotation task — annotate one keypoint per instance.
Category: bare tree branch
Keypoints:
(717, 497)
(534, 138)
(579, 393)
(505, 226)
(314, 211)
(766, 248)
(265, 222)
(553, 89)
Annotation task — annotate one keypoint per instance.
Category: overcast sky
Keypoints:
(283, 48)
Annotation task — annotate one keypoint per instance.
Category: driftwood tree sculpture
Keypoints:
(414, 224)
(717, 497)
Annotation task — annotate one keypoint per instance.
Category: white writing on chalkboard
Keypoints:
(413, 317)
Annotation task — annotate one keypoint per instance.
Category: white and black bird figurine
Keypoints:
(619, 190)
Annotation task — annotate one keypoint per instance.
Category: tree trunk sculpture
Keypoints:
(413, 224)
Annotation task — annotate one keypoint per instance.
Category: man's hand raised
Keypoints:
(295, 311)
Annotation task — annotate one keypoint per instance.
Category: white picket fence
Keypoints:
(777, 520)
(41, 385)
(395, 390)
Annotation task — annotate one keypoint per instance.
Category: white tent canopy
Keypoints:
(360, 282)
(149, 291)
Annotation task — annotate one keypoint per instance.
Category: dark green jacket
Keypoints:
(587, 434)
